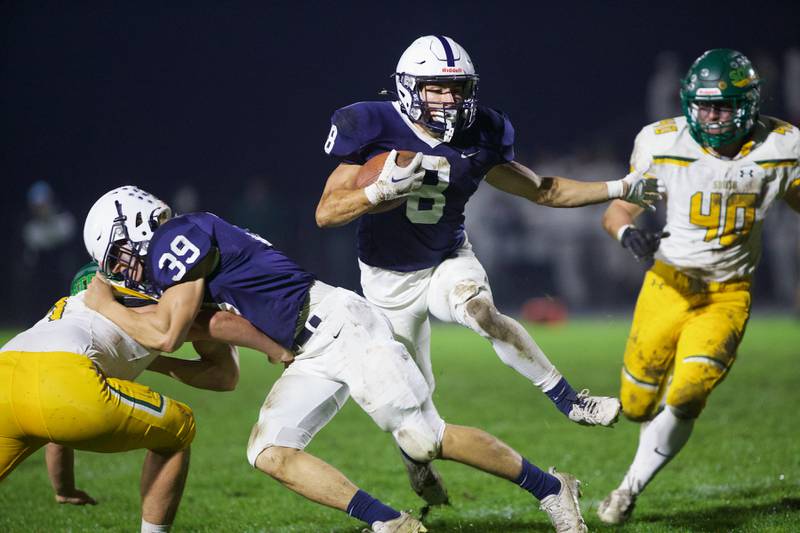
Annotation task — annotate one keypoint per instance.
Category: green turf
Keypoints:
(739, 472)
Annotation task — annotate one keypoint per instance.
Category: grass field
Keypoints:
(739, 472)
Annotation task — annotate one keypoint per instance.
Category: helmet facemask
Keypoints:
(743, 113)
(125, 258)
(443, 119)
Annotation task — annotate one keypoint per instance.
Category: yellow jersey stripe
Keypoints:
(778, 163)
(672, 160)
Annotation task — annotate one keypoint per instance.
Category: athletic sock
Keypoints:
(659, 441)
(563, 395)
(537, 481)
(147, 527)
(368, 509)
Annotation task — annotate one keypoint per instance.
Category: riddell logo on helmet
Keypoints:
(452, 69)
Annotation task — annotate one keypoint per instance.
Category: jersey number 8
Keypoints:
(182, 248)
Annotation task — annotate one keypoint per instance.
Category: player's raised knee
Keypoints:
(420, 444)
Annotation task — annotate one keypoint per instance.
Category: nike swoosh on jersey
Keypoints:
(401, 179)
(471, 154)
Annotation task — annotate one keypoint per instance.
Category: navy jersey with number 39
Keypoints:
(429, 226)
(266, 287)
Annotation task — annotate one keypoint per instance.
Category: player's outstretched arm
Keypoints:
(164, 328)
(341, 200)
(60, 462)
(224, 326)
(555, 191)
(217, 368)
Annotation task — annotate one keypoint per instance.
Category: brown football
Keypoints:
(370, 171)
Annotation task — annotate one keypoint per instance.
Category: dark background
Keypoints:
(97, 95)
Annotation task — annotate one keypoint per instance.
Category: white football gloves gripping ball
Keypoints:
(395, 181)
(638, 188)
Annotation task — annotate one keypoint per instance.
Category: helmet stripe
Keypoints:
(448, 51)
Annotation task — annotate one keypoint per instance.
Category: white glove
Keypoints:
(394, 181)
(638, 188)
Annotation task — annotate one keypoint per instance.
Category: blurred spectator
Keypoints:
(50, 254)
(662, 99)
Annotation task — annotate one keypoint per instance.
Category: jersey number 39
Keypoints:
(183, 253)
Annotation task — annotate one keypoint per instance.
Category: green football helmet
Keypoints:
(725, 76)
(82, 278)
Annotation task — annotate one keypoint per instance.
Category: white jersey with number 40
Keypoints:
(716, 207)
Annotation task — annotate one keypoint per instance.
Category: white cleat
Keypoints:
(426, 482)
(562, 508)
(617, 507)
(405, 523)
(595, 410)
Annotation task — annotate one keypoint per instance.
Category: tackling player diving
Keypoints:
(341, 344)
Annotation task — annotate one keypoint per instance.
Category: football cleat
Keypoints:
(426, 482)
(617, 507)
(595, 410)
(562, 508)
(405, 523)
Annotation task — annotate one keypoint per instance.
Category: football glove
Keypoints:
(642, 243)
(395, 181)
(642, 189)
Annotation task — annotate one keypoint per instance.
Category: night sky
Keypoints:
(97, 95)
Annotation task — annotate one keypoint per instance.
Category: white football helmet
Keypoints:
(119, 226)
(436, 59)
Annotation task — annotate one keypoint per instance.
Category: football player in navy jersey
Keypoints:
(341, 344)
(416, 259)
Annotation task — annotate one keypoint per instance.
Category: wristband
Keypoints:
(615, 188)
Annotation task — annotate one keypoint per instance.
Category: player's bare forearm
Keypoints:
(619, 214)
(342, 206)
(341, 201)
(229, 328)
(517, 179)
(564, 192)
(165, 327)
(60, 461)
(217, 369)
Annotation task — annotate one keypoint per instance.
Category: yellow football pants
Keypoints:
(61, 397)
(684, 328)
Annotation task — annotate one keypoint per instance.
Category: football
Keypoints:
(370, 171)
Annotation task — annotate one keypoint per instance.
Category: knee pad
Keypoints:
(421, 442)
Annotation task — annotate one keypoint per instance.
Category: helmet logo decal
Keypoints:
(709, 91)
(452, 70)
(740, 77)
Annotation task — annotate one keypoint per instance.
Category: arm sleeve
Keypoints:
(177, 247)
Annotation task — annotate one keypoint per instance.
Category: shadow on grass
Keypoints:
(724, 517)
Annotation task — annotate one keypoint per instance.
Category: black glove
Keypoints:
(642, 243)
